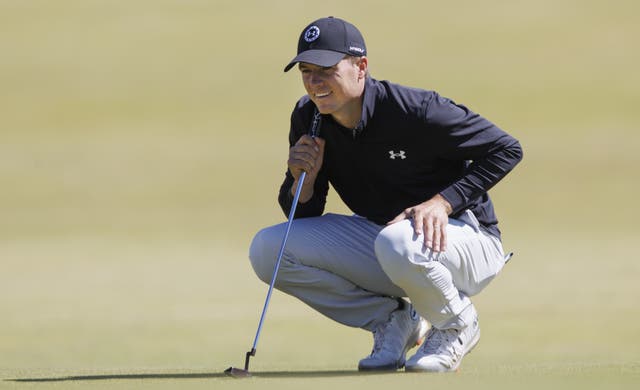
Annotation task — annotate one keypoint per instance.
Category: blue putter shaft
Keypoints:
(292, 212)
(243, 373)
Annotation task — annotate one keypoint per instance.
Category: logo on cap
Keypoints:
(312, 34)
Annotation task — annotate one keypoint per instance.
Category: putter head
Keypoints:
(237, 372)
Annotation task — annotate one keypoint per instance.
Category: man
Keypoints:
(415, 169)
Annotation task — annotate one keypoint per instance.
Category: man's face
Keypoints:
(333, 89)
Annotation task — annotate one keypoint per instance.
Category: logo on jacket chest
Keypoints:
(400, 154)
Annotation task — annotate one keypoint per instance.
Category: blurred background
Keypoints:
(142, 144)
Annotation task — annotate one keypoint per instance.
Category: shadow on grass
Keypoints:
(209, 375)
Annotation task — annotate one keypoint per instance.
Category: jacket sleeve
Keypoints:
(464, 135)
(300, 124)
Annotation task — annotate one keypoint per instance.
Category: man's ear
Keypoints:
(363, 65)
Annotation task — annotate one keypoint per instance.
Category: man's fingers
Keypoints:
(418, 223)
(430, 221)
(436, 237)
(397, 219)
(434, 231)
(402, 216)
(306, 140)
(308, 160)
(428, 234)
(303, 156)
(319, 143)
(443, 238)
(311, 150)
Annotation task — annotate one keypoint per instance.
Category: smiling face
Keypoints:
(338, 89)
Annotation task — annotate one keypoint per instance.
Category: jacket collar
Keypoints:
(368, 103)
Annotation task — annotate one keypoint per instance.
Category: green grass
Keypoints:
(142, 145)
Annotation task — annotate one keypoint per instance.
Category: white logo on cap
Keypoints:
(312, 34)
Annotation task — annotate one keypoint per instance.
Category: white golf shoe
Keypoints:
(391, 340)
(444, 349)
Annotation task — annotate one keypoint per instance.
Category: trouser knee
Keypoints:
(262, 253)
(397, 255)
(393, 253)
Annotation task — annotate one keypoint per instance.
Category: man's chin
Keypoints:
(324, 109)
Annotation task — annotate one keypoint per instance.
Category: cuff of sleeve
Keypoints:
(455, 198)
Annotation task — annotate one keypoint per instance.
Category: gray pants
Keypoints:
(353, 271)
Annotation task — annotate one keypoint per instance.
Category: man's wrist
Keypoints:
(444, 202)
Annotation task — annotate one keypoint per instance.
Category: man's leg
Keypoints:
(329, 263)
(439, 284)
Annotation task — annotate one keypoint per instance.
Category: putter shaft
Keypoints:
(235, 372)
(292, 212)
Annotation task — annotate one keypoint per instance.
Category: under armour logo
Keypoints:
(311, 34)
(400, 154)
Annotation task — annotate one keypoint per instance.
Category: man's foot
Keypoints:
(391, 340)
(444, 349)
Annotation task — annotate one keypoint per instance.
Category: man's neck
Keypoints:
(350, 116)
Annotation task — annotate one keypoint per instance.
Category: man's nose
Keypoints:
(316, 78)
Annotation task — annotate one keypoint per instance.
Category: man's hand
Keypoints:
(306, 155)
(429, 218)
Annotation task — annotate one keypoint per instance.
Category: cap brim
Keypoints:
(316, 57)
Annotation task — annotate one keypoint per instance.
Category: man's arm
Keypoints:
(467, 136)
(463, 136)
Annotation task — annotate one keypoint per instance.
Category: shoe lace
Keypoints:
(440, 341)
(380, 334)
(388, 335)
(378, 338)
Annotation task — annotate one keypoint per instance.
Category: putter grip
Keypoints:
(314, 132)
(315, 124)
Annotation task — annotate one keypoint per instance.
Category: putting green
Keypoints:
(142, 146)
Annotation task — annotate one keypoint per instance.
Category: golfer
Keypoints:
(415, 168)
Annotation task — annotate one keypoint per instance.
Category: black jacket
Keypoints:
(410, 145)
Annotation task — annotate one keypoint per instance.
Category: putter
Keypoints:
(244, 373)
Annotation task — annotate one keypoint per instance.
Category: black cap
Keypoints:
(326, 41)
